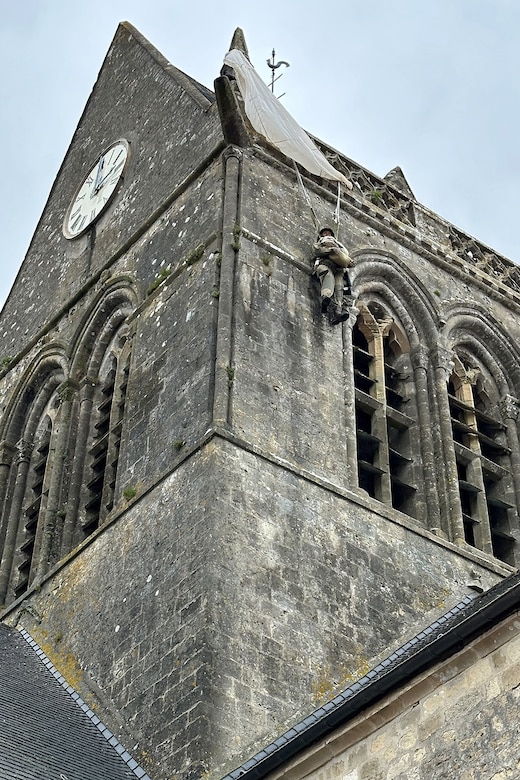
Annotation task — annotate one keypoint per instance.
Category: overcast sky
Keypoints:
(430, 85)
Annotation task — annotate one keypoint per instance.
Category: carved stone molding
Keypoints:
(370, 326)
(476, 254)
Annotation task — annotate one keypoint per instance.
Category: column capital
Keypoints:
(7, 453)
(67, 390)
(370, 326)
(442, 358)
(23, 451)
(509, 407)
(233, 151)
(420, 357)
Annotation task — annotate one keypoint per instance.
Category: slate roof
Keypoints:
(47, 732)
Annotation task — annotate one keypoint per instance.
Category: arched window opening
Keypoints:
(383, 389)
(368, 443)
(397, 394)
(105, 439)
(31, 529)
(483, 460)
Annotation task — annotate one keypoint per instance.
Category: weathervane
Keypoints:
(274, 66)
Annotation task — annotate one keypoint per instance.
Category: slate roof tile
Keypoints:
(46, 729)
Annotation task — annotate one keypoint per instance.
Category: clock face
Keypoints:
(96, 190)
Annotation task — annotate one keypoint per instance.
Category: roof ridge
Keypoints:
(112, 740)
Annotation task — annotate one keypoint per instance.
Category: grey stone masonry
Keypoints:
(459, 720)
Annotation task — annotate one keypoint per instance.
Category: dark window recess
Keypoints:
(468, 491)
(468, 499)
(400, 465)
(481, 440)
(369, 473)
(398, 424)
(394, 388)
(499, 523)
(98, 455)
(362, 362)
(32, 511)
(384, 457)
(104, 452)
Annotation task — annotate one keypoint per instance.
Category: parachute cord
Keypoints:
(337, 211)
(306, 196)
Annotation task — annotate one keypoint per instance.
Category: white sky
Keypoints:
(430, 85)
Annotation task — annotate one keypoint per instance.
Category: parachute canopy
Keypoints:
(269, 118)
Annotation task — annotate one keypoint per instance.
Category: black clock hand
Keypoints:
(98, 181)
(111, 172)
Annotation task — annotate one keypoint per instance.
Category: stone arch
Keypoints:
(380, 277)
(478, 334)
(112, 306)
(48, 370)
(392, 293)
(35, 428)
(483, 406)
(395, 320)
(100, 366)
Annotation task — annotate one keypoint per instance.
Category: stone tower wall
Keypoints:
(247, 580)
(242, 576)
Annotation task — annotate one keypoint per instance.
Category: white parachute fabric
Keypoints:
(269, 118)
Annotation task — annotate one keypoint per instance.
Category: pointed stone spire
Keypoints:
(239, 42)
(235, 128)
(397, 179)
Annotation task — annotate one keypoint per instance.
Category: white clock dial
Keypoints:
(96, 190)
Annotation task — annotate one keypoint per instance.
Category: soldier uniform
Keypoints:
(330, 266)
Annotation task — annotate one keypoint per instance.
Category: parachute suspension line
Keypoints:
(337, 211)
(306, 196)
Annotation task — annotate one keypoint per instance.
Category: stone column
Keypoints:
(509, 409)
(86, 395)
(420, 363)
(52, 524)
(224, 369)
(443, 366)
(350, 400)
(23, 458)
(375, 332)
(7, 453)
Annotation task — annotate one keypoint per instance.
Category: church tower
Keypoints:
(218, 504)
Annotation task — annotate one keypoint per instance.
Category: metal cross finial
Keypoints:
(274, 65)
